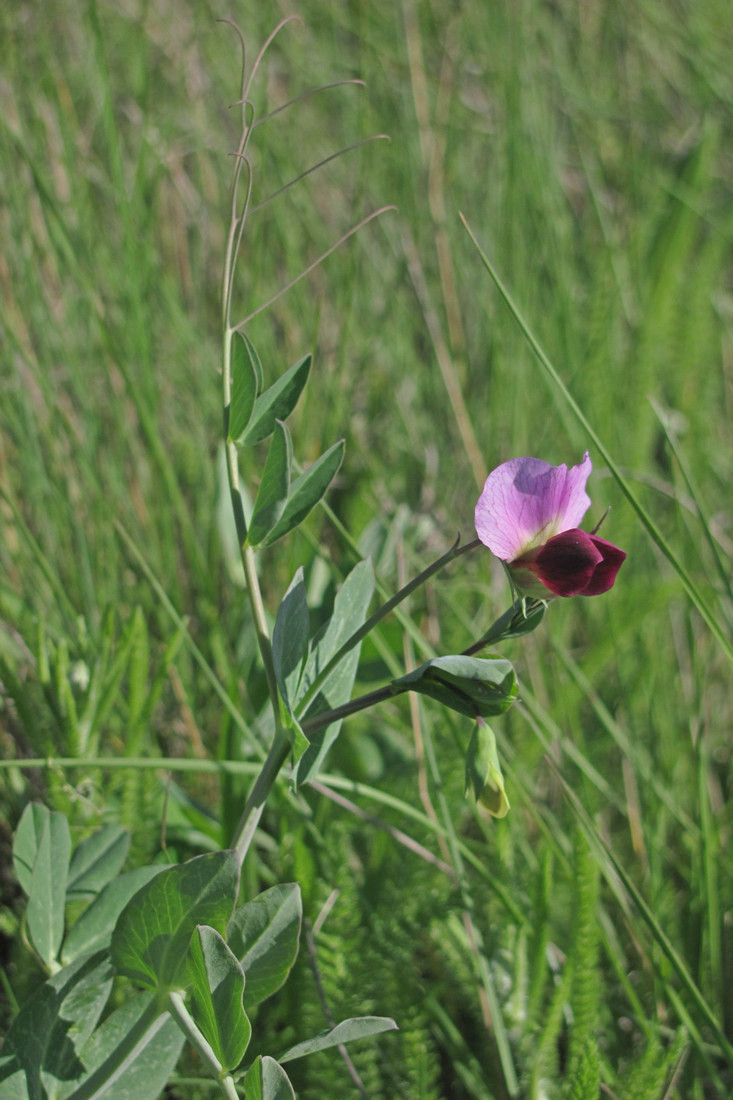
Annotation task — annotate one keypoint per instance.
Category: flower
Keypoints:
(528, 515)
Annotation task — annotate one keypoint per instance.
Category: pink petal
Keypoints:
(525, 502)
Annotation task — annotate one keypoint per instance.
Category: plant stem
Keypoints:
(246, 552)
(280, 746)
(319, 721)
(455, 552)
(183, 1018)
(255, 804)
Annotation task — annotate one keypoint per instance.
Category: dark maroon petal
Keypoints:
(605, 572)
(566, 563)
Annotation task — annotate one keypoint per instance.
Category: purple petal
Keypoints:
(570, 564)
(525, 502)
(567, 563)
(605, 572)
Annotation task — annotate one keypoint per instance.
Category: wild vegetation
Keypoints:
(579, 946)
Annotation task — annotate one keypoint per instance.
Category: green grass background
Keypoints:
(589, 147)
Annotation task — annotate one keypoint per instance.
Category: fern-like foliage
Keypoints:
(586, 985)
(585, 1079)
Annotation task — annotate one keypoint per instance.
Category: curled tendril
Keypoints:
(239, 214)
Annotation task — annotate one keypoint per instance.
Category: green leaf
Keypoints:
(349, 614)
(96, 861)
(471, 685)
(274, 487)
(151, 938)
(218, 985)
(267, 1080)
(359, 1027)
(146, 1075)
(305, 493)
(483, 771)
(264, 935)
(47, 897)
(25, 842)
(42, 1049)
(290, 638)
(245, 379)
(254, 360)
(93, 929)
(277, 402)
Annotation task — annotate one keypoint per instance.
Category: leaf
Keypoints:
(305, 493)
(151, 938)
(290, 638)
(274, 487)
(25, 842)
(349, 614)
(145, 1076)
(471, 685)
(245, 379)
(47, 896)
(43, 1047)
(359, 1027)
(277, 402)
(96, 860)
(254, 360)
(217, 988)
(264, 935)
(267, 1080)
(93, 930)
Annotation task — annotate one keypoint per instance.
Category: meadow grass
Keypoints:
(586, 938)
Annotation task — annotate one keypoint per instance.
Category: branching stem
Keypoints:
(455, 551)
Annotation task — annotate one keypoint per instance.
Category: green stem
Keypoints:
(255, 804)
(135, 763)
(320, 721)
(246, 552)
(137, 1038)
(455, 552)
(183, 1018)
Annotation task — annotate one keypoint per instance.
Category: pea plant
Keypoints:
(160, 956)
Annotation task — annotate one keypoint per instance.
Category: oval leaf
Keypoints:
(290, 638)
(25, 842)
(44, 1044)
(349, 614)
(274, 487)
(244, 386)
(93, 929)
(217, 987)
(267, 1080)
(277, 402)
(359, 1027)
(96, 861)
(47, 897)
(310, 487)
(143, 1075)
(264, 935)
(151, 938)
